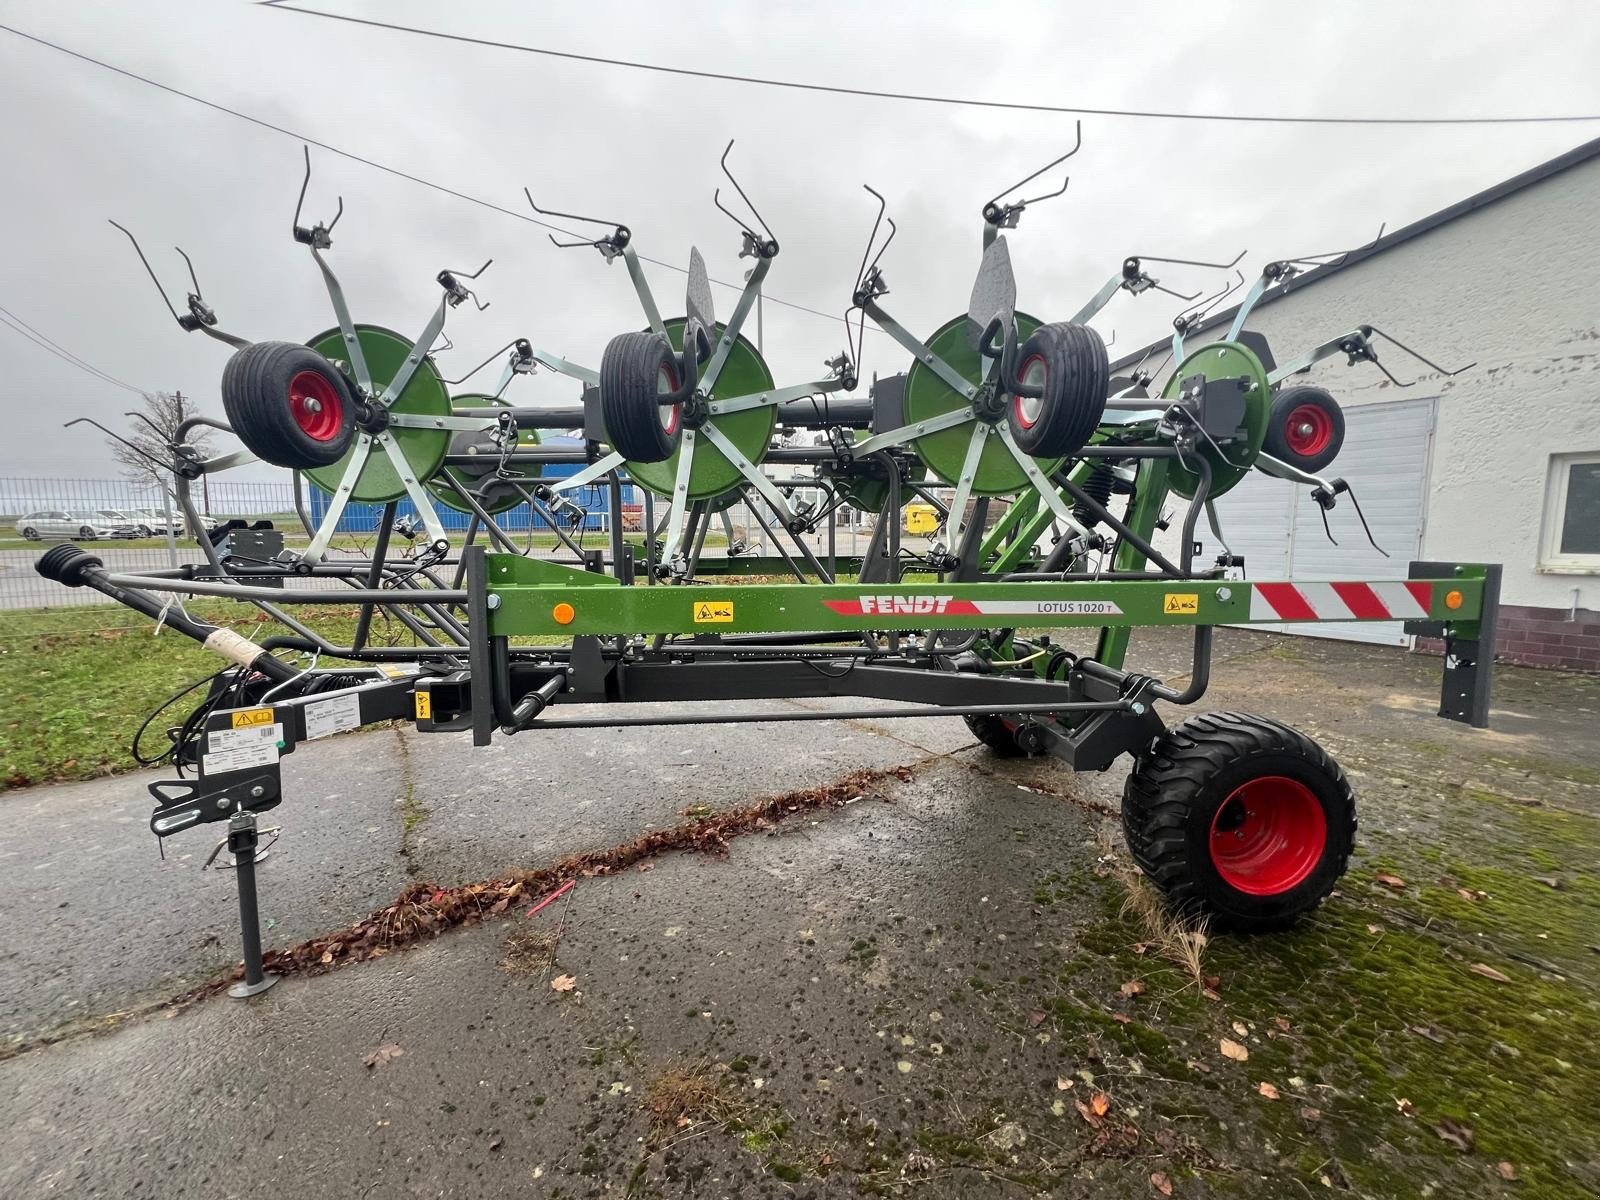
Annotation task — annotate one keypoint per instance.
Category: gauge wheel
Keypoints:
(1067, 364)
(289, 405)
(1305, 428)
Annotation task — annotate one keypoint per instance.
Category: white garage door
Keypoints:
(1277, 526)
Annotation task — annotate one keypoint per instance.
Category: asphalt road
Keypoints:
(870, 981)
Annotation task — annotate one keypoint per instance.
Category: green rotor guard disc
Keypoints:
(425, 395)
(945, 452)
(1223, 360)
(495, 496)
(711, 474)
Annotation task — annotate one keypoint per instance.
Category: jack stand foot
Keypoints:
(243, 991)
(244, 844)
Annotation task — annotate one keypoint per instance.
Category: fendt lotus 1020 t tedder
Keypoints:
(1019, 625)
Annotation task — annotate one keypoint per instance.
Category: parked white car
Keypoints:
(125, 522)
(79, 525)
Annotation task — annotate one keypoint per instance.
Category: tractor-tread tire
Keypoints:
(991, 730)
(1276, 442)
(255, 396)
(1183, 778)
(1077, 374)
(630, 372)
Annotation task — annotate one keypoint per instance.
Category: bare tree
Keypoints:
(165, 412)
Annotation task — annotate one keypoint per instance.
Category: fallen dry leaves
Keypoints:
(1232, 1049)
(563, 983)
(1506, 1171)
(1489, 972)
(1390, 881)
(1162, 1182)
(1455, 1133)
(1134, 987)
(424, 911)
(382, 1055)
(1267, 1090)
(1100, 1103)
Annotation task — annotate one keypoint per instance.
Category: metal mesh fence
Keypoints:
(136, 525)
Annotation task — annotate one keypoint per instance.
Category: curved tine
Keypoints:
(723, 163)
(716, 195)
(148, 270)
(1191, 262)
(159, 432)
(883, 206)
(482, 365)
(192, 279)
(1334, 258)
(474, 275)
(304, 184)
(893, 229)
(1446, 372)
(448, 344)
(1189, 316)
(550, 212)
(336, 216)
(1076, 146)
(1180, 295)
(144, 454)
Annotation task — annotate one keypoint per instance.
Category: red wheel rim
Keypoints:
(1026, 410)
(666, 384)
(1268, 835)
(1308, 430)
(316, 406)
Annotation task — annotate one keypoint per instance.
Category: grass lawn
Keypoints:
(78, 681)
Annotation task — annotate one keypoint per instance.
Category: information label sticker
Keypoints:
(1179, 603)
(334, 715)
(240, 749)
(713, 612)
(424, 703)
(251, 718)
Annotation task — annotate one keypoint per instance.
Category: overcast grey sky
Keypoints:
(81, 144)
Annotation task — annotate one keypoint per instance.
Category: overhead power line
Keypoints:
(922, 98)
(374, 163)
(17, 325)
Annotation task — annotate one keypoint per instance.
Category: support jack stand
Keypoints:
(243, 841)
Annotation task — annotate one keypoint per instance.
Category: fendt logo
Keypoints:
(904, 604)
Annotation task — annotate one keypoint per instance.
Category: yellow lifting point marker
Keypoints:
(564, 613)
(1452, 599)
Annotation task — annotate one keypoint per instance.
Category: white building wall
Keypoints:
(1515, 286)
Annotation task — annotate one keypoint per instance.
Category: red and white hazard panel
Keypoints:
(1391, 600)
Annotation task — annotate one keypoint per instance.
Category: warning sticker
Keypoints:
(713, 612)
(424, 706)
(241, 748)
(251, 717)
(1178, 603)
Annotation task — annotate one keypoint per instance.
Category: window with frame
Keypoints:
(1571, 539)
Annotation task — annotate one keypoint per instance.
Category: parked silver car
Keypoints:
(125, 522)
(79, 525)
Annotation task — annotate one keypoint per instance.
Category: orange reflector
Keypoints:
(563, 613)
(1452, 599)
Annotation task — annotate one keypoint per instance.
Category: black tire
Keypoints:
(1245, 860)
(30, 534)
(1070, 361)
(289, 406)
(1305, 428)
(85, 533)
(995, 734)
(145, 531)
(634, 370)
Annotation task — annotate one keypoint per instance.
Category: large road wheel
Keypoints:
(1239, 820)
